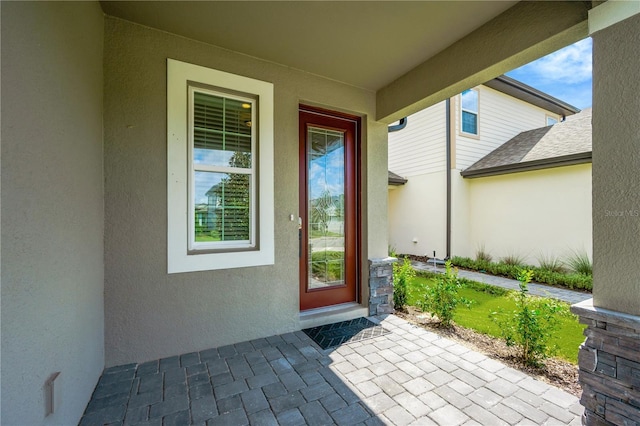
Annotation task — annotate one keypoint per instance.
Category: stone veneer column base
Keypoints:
(609, 361)
(381, 285)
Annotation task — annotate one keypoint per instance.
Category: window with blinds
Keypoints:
(469, 109)
(222, 170)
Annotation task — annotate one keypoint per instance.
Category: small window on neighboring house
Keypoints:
(551, 120)
(469, 110)
(220, 197)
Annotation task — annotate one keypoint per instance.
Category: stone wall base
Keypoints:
(381, 285)
(609, 361)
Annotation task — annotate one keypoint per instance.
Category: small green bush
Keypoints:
(403, 274)
(530, 325)
(442, 299)
(580, 263)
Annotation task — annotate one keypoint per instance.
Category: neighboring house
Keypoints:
(531, 197)
(100, 187)
(434, 212)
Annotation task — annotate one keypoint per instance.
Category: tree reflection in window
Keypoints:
(222, 168)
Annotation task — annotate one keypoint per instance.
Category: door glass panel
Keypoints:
(325, 221)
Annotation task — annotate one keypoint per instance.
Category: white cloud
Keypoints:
(570, 65)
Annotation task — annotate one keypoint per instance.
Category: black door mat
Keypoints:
(330, 335)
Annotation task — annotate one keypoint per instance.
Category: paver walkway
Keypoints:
(570, 296)
(408, 376)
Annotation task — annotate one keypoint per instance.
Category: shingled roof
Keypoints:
(562, 144)
(524, 92)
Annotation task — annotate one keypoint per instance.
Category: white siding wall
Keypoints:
(419, 148)
(500, 118)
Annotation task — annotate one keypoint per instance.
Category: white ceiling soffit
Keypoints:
(361, 43)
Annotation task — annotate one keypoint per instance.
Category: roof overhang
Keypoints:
(545, 163)
(519, 90)
(396, 180)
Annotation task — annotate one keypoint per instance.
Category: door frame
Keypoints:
(303, 188)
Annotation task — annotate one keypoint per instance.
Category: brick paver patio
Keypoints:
(409, 376)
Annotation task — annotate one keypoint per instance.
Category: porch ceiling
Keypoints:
(361, 43)
(412, 54)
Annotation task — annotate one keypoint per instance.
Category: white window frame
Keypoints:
(222, 245)
(182, 254)
(551, 117)
(476, 113)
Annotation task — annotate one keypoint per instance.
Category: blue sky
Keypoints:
(564, 74)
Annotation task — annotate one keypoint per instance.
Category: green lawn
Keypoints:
(205, 238)
(567, 337)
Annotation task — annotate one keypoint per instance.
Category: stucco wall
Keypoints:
(52, 210)
(418, 210)
(543, 212)
(616, 161)
(150, 314)
(461, 244)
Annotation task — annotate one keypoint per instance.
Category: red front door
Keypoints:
(329, 235)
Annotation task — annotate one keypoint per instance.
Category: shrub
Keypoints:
(551, 263)
(512, 260)
(529, 326)
(580, 263)
(483, 255)
(441, 299)
(403, 274)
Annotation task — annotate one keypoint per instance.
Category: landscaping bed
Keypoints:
(561, 277)
(479, 314)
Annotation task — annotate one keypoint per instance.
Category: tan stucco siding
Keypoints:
(52, 209)
(150, 314)
(529, 214)
(419, 148)
(500, 118)
(461, 244)
(417, 211)
(616, 162)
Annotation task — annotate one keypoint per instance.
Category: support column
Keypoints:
(381, 285)
(609, 362)
(609, 359)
